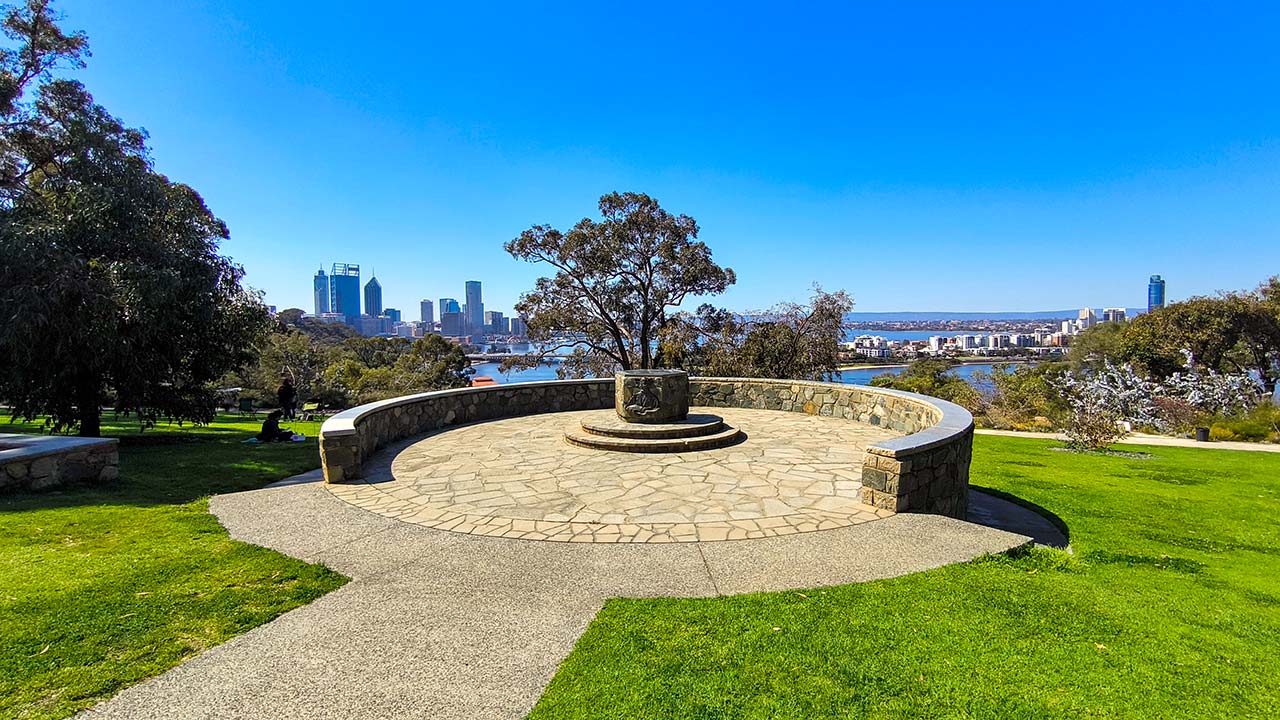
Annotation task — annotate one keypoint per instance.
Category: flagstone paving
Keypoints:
(518, 478)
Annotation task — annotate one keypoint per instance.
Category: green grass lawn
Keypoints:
(101, 587)
(1170, 608)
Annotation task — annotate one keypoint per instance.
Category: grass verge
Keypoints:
(1170, 607)
(102, 587)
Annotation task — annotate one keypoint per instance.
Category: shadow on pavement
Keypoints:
(1003, 511)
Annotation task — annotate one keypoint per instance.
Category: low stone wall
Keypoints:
(349, 437)
(925, 470)
(40, 462)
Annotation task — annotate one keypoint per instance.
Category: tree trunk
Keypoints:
(90, 407)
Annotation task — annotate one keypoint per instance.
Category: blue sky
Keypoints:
(1004, 156)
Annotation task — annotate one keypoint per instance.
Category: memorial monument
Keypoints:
(651, 415)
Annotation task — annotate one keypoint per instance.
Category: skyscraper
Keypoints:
(427, 312)
(1087, 318)
(493, 322)
(1113, 315)
(1155, 293)
(451, 324)
(373, 297)
(392, 314)
(475, 307)
(344, 291)
(448, 305)
(321, 286)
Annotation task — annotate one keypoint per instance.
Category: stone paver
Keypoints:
(518, 478)
(444, 625)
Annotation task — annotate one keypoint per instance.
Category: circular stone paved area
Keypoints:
(519, 478)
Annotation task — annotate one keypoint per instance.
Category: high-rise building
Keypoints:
(344, 291)
(373, 297)
(1113, 315)
(475, 307)
(448, 305)
(451, 324)
(493, 322)
(1155, 293)
(518, 327)
(321, 286)
(427, 312)
(392, 313)
(1087, 318)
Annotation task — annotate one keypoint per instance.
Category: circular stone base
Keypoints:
(608, 424)
(518, 478)
(603, 430)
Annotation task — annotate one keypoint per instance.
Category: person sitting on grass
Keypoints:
(271, 430)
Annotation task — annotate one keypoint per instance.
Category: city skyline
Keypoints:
(875, 149)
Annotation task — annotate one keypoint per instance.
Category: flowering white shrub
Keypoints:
(1103, 400)
(1214, 393)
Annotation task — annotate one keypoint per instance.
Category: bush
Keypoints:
(1218, 432)
(1093, 428)
(1024, 397)
(1259, 424)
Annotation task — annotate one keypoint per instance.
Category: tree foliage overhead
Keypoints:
(111, 285)
(617, 281)
(790, 340)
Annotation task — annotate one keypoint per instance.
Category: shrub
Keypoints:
(1259, 424)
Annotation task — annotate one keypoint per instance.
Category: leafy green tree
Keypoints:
(933, 377)
(1232, 333)
(1022, 393)
(111, 285)
(790, 340)
(1098, 344)
(617, 281)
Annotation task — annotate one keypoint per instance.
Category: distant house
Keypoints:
(483, 381)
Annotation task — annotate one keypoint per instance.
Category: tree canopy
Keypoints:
(616, 283)
(789, 340)
(1231, 333)
(112, 289)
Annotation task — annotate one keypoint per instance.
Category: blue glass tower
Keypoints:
(344, 296)
(475, 307)
(373, 297)
(1155, 293)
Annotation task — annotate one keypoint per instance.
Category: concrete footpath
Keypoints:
(442, 625)
(1144, 439)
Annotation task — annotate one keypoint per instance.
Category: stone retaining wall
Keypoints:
(351, 436)
(40, 462)
(925, 470)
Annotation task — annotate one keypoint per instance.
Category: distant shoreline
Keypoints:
(966, 361)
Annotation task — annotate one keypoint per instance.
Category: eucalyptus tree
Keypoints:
(616, 285)
(790, 340)
(112, 290)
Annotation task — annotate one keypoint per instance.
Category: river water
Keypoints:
(850, 377)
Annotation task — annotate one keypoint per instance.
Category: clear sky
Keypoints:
(1003, 156)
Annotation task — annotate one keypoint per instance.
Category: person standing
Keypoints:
(287, 397)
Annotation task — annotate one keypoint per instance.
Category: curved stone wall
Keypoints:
(925, 470)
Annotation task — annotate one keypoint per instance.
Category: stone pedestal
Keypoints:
(651, 396)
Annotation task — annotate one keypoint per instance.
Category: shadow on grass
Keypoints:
(1003, 518)
(171, 466)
